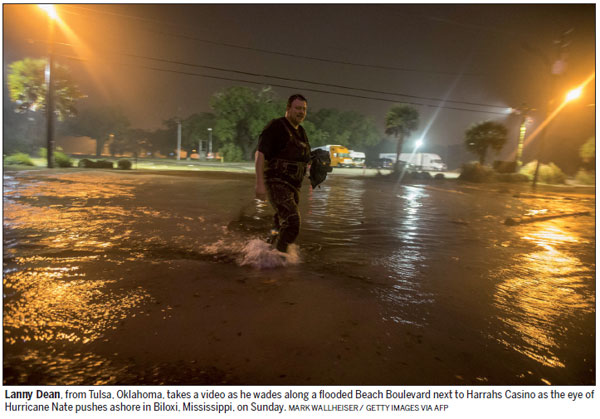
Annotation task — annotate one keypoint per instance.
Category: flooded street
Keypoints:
(150, 278)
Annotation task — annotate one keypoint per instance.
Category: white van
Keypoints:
(358, 158)
(422, 161)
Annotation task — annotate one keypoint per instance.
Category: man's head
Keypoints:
(295, 111)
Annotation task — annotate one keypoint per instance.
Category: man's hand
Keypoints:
(261, 192)
(259, 163)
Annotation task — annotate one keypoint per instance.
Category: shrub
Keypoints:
(231, 153)
(501, 166)
(85, 163)
(548, 173)
(19, 158)
(104, 164)
(100, 164)
(475, 172)
(124, 164)
(62, 160)
(586, 177)
(512, 177)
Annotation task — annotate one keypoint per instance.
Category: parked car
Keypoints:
(380, 163)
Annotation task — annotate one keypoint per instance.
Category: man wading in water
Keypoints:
(280, 162)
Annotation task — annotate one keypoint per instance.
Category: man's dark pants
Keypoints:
(284, 198)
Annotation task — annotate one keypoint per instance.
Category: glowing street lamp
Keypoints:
(573, 94)
(52, 16)
(50, 10)
(570, 96)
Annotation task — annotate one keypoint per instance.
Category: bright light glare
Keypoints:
(48, 8)
(573, 94)
(419, 143)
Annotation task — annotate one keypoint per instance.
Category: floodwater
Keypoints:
(145, 278)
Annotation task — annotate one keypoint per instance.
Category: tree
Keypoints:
(587, 152)
(163, 140)
(22, 132)
(28, 88)
(241, 115)
(349, 129)
(479, 137)
(99, 123)
(195, 128)
(133, 140)
(400, 121)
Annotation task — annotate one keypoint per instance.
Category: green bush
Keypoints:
(548, 173)
(232, 153)
(124, 164)
(19, 158)
(84, 163)
(512, 177)
(586, 177)
(501, 166)
(104, 164)
(91, 164)
(475, 172)
(62, 160)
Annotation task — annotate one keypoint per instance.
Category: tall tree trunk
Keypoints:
(99, 146)
(398, 151)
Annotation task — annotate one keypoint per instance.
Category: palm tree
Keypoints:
(483, 135)
(400, 121)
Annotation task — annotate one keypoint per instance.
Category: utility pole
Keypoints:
(209, 140)
(558, 67)
(50, 94)
(524, 111)
(178, 140)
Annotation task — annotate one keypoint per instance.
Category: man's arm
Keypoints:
(259, 163)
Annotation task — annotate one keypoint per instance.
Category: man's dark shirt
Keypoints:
(275, 137)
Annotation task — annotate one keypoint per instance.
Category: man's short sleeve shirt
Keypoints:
(273, 138)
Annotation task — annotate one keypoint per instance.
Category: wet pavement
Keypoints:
(160, 278)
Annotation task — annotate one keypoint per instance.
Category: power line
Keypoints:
(309, 81)
(265, 51)
(301, 80)
(287, 86)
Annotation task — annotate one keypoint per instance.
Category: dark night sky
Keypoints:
(469, 54)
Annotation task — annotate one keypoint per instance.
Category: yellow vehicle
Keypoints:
(340, 155)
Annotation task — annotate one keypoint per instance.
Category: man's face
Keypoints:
(296, 112)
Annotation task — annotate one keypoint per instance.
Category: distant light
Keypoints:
(49, 9)
(573, 94)
(419, 143)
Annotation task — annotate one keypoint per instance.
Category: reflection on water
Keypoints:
(417, 283)
(545, 290)
(61, 304)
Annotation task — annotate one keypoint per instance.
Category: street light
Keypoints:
(573, 94)
(49, 9)
(52, 16)
(570, 96)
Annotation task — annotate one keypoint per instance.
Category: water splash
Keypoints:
(259, 254)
